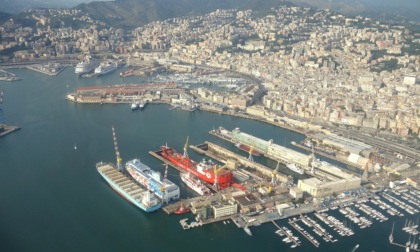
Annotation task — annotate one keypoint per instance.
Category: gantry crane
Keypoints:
(186, 147)
(216, 172)
(117, 153)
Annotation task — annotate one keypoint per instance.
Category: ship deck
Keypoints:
(123, 182)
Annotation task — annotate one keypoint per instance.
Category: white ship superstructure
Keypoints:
(105, 68)
(194, 183)
(86, 66)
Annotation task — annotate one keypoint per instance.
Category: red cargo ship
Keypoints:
(203, 170)
(246, 148)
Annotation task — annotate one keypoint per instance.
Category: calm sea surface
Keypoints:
(53, 199)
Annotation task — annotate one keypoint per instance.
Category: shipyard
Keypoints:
(249, 194)
(313, 195)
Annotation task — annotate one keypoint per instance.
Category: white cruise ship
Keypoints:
(86, 66)
(105, 68)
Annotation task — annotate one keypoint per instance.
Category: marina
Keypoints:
(290, 238)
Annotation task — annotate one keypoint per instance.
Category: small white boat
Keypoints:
(75, 147)
(134, 105)
(247, 230)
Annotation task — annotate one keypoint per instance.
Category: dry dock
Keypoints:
(157, 155)
(221, 154)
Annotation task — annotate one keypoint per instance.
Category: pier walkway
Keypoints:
(289, 235)
(306, 235)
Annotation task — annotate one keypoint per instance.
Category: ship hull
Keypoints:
(224, 178)
(294, 168)
(246, 148)
(151, 180)
(127, 196)
(194, 184)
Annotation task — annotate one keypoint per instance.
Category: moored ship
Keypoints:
(133, 193)
(294, 168)
(126, 187)
(142, 104)
(247, 149)
(164, 189)
(127, 73)
(204, 170)
(105, 68)
(86, 66)
(135, 105)
(182, 209)
(194, 183)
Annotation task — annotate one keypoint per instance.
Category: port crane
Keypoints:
(274, 174)
(273, 181)
(117, 153)
(186, 147)
(251, 149)
(163, 187)
(216, 172)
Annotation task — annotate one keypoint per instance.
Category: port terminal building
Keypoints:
(318, 188)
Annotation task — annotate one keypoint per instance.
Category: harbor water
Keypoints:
(53, 199)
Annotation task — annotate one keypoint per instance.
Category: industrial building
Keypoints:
(250, 140)
(286, 155)
(331, 169)
(403, 170)
(318, 188)
(225, 208)
(342, 144)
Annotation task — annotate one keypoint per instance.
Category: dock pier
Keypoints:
(287, 234)
(293, 224)
(314, 224)
(404, 246)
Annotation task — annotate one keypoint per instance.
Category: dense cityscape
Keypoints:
(348, 84)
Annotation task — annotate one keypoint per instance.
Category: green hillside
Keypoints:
(133, 13)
